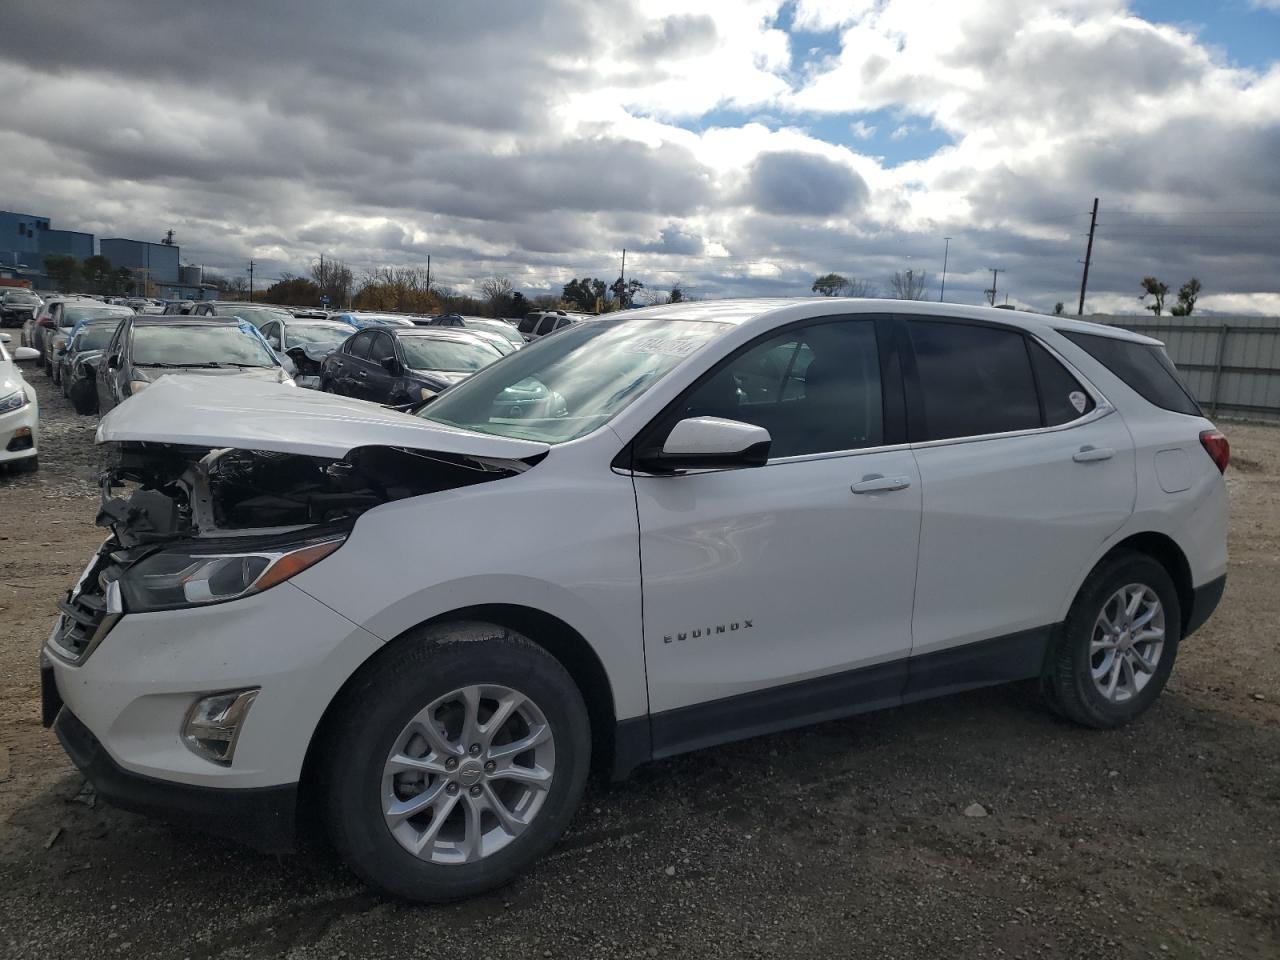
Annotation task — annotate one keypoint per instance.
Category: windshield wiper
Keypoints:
(174, 365)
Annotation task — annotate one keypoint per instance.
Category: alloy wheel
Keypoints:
(468, 774)
(1127, 640)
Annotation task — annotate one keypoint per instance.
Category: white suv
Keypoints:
(641, 536)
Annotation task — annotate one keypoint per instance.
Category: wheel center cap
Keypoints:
(469, 773)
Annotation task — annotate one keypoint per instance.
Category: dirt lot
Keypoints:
(1160, 840)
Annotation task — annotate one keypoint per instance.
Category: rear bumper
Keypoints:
(1204, 601)
(261, 817)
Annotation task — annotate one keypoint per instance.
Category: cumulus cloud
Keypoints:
(803, 185)
(539, 139)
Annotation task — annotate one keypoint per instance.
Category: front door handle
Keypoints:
(1088, 454)
(878, 483)
(362, 374)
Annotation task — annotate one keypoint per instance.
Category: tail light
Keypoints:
(1216, 446)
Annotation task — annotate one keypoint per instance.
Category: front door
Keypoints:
(780, 595)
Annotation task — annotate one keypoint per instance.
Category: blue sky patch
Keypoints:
(1250, 37)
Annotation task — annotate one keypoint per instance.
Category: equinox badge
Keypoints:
(708, 631)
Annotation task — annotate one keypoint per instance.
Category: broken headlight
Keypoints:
(198, 574)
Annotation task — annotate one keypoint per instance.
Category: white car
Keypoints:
(639, 537)
(19, 409)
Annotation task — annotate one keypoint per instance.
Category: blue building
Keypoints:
(157, 262)
(26, 239)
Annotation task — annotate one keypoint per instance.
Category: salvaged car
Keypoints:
(76, 364)
(306, 343)
(145, 348)
(404, 365)
(632, 539)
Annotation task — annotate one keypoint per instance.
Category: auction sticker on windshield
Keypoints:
(668, 346)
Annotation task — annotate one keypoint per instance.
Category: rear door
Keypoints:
(1026, 471)
(109, 376)
(349, 363)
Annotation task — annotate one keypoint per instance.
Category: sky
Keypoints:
(732, 148)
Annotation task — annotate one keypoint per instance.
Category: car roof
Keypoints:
(782, 309)
(438, 333)
(172, 320)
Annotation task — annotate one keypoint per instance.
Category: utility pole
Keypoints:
(1088, 255)
(991, 294)
(945, 252)
(428, 273)
(251, 281)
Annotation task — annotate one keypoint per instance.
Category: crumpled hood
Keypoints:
(316, 351)
(251, 415)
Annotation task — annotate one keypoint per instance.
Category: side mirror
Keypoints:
(710, 443)
(113, 362)
(26, 354)
(392, 366)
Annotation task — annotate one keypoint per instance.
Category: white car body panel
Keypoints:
(232, 412)
(724, 596)
(1009, 523)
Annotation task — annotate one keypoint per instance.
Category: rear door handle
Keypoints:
(878, 483)
(1087, 454)
(362, 374)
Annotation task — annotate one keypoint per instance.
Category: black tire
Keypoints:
(26, 465)
(373, 710)
(84, 397)
(1068, 683)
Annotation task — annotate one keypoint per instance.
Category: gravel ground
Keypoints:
(851, 838)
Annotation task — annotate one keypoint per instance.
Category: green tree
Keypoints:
(584, 293)
(1058, 308)
(830, 285)
(677, 295)
(1151, 287)
(96, 272)
(1188, 293)
(62, 270)
(121, 280)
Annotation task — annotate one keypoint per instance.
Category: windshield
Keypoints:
(15, 295)
(251, 314)
(198, 346)
(296, 333)
(95, 337)
(71, 315)
(565, 386)
(504, 330)
(447, 356)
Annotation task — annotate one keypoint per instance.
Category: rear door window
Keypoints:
(528, 323)
(974, 380)
(1144, 367)
(547, 325)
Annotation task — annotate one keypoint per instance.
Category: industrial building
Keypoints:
(26, 239)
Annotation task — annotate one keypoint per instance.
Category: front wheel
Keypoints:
(1117, 647)
(458, 758)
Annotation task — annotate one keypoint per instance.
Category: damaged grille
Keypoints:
(91, 608)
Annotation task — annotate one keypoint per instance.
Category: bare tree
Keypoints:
(907, 284)
(334, 278)
(859, 288)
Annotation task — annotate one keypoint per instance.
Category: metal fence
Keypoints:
(1231, 364)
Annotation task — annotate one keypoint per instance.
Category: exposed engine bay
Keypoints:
(156, 492)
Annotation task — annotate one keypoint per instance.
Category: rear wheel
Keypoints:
(1118, 644)
(456, 761)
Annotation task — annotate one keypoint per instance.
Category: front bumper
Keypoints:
(27, 416)
(134, 690)
(264, 817)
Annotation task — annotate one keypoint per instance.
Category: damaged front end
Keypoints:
(192, 525)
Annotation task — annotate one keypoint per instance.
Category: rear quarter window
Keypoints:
(1144, 367)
